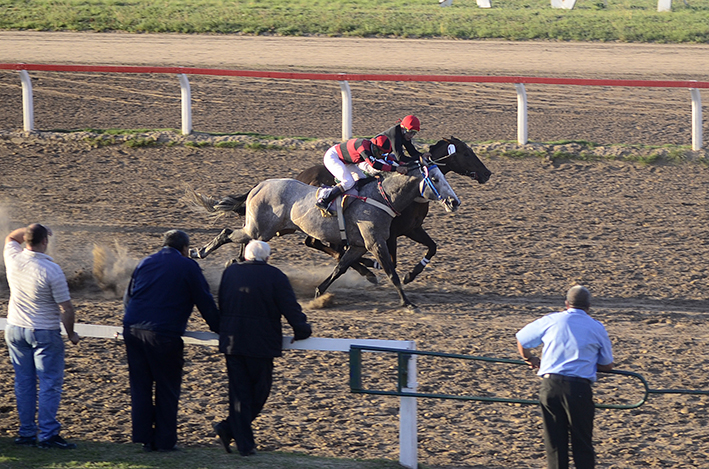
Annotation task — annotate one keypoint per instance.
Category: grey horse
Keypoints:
(280, 206)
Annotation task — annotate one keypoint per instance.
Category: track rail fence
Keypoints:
(344, 78)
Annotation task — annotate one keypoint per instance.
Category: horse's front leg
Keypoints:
(391, 245)
(381, 252)
(358, 265)
(420, 236)
(351, 254)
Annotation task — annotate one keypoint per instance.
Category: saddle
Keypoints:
(344, 201)
(341, 202)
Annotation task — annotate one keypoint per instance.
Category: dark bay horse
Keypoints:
(287, 205)
(449, 155)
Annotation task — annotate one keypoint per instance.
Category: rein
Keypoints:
(384, 195)
(388, 206)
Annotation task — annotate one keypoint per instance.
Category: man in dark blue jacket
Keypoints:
(252, 298)
(159, 300)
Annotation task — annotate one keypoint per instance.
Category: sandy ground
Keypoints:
(636, 235)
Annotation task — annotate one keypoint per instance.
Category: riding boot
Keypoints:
(326, 198)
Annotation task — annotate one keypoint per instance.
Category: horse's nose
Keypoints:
(484, 177)
(453, 203)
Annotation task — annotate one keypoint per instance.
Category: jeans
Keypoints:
(37, 354)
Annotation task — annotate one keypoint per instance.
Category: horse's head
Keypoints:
(434, 186)
(454, 155)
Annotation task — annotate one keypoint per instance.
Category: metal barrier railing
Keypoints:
(403, 378)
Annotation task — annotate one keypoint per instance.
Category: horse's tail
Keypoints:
(232, 203)
(216, 207)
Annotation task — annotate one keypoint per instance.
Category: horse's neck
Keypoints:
(401, 190)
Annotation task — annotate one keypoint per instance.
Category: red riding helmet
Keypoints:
(382, 142)
(411, 123)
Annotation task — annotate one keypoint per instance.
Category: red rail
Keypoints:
(356, 77)
(344, 78)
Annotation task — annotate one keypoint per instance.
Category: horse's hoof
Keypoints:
(412, 308)
(408, 278)
(371, 278)
(317, 292)
(194, 254)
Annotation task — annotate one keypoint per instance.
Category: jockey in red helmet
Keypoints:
(401, 135)
(355, 159)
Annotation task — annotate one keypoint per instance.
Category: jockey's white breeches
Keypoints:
(347, 174)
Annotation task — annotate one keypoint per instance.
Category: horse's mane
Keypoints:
(444, 141)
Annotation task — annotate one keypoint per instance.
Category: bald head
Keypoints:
(579, 297)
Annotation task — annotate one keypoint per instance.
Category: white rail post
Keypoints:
(522, 131)
(408, 437)
(696, 119)
(664, 5)
(27, 102)
(346, 110)
(186, 104)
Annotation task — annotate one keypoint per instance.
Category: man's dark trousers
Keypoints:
(567, 407)
(250, 381)
(154, 358)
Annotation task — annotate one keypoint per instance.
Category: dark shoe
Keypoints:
(251, 452)
(148, 447)
(327, 196)
(224, 435)
(26, 440)
(56, 442)
(322, 203)
(169, 450)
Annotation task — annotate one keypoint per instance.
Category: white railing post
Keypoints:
(408, 437)
(186, 104)
(522, 131)
(664, 5)
(27, 102)
(346, 110)
(696, 119)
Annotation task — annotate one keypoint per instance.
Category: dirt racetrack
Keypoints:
(636, 235)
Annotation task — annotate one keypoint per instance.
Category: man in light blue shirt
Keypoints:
(575, 347)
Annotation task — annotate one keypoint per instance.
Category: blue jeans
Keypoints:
(37, 354)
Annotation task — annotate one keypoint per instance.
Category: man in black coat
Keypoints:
(252, 298)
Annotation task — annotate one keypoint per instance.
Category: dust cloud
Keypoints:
(112, 268)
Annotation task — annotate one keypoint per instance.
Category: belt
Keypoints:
(557, 377)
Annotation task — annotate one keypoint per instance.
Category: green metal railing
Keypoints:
(403, 357)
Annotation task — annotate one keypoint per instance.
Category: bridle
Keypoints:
(427, 181)
(451, 152)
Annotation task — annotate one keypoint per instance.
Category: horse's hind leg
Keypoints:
(221, 239)
(351, 254)
(225, 237)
